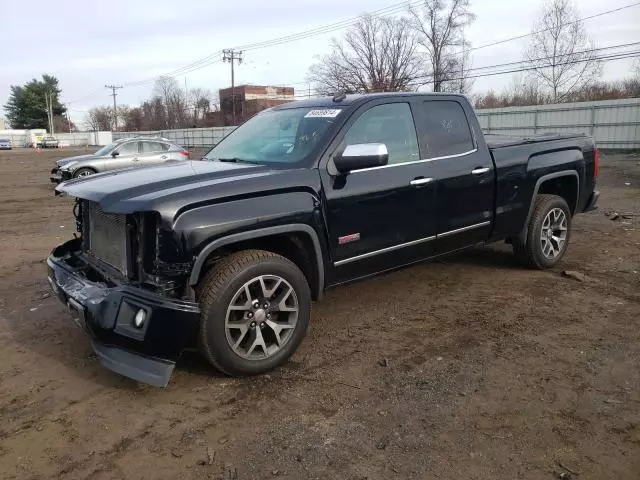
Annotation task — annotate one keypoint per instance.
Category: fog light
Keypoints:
(139, 319)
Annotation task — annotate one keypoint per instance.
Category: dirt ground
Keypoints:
(466, 368)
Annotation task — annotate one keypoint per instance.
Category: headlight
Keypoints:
(67, 166)
(138, 320)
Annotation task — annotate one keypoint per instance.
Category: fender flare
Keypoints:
(258, 233)
(550, 176)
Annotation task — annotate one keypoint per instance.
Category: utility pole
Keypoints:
(115, 111)
(48, 100)
(68, 118)
(230, 55)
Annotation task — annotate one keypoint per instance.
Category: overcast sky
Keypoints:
(90, 44)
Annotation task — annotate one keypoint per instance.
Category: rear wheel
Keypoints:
(548, 233)
(83, 172)
(255, 307)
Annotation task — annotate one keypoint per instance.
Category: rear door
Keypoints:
(382, 217)
(463, 172)
(153, 152)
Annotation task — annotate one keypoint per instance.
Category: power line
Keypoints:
(558, 56)
(518, 62)
(604, 58)
(518, 37)
(216, 56)
(198, 64)
(615, 56)
(391, 9)
(382, 12)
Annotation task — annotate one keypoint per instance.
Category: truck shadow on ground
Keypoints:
(500, 257)
(59, 340)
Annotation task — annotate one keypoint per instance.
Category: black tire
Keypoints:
(216, 291)
(531, 252)
(83, 172)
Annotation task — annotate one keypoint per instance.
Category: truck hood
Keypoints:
(169, 188)
(63, 161)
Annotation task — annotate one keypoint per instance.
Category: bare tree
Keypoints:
(133, 120)
(635, 68)
(99, 118)
(378, 54)
(461, 82)
(561, 50)
(174, 100)
(200, 100)
(440, 28)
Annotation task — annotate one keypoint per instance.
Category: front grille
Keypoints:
(105, 236)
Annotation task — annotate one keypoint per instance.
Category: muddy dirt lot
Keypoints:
(472, 367)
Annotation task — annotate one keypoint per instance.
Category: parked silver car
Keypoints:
(5, 144)
(50, 142)
(123, 153)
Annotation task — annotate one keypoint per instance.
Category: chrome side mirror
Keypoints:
(361, 155)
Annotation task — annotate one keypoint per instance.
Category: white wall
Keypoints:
(185, 137)
(614, 124)
(77, 139)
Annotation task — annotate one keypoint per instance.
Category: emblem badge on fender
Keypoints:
(353, 237)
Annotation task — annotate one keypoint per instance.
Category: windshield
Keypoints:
(106, 149)
(276, 136)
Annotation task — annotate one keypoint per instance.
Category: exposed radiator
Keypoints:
(106, 236)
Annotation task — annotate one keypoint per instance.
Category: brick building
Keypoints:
(249, 100)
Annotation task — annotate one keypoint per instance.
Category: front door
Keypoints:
(382, 217)
(127, 156)
(463, 172)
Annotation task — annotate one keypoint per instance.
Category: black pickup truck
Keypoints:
(226, 254)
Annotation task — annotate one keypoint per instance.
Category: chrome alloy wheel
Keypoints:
(261, 317)
(554, 233)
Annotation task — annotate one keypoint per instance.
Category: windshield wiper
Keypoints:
(236, 160)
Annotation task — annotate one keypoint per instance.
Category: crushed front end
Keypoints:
(124, 280)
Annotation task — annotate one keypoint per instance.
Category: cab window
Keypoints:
(447, 130)
(391, 124)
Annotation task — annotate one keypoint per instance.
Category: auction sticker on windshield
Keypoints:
(323, 113)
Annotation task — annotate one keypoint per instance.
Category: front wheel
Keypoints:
(548, 233)
(83, 172)
(255, 307)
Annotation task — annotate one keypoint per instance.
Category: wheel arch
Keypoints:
(552, 183)
(76, 170)
(311, 263)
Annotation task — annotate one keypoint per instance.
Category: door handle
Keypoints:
(135, 159)
(421, 181)
(163, 157)
(480, 170)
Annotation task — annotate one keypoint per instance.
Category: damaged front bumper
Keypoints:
(145, 351)
(57, 175)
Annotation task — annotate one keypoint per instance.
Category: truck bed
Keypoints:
(498, 141)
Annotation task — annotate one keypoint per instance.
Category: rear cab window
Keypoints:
(446, 129)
